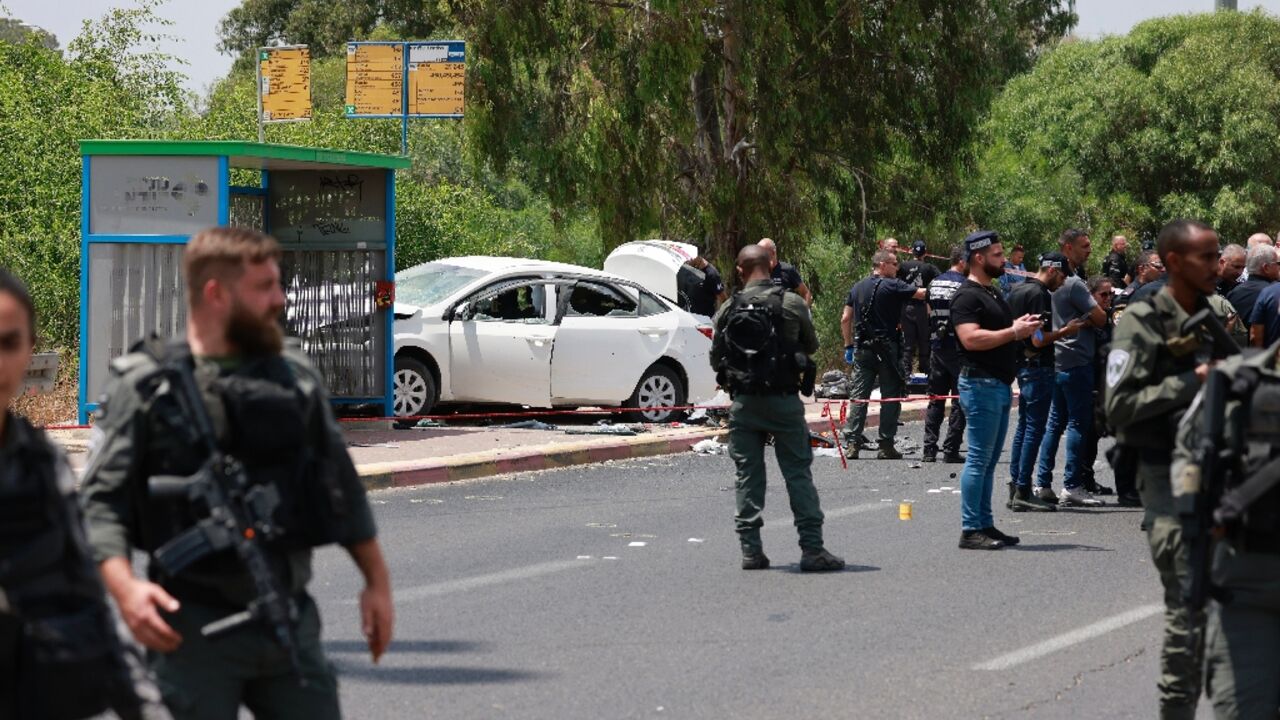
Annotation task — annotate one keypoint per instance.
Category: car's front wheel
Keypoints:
(659, 389)
(415, 388)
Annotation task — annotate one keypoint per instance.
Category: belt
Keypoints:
(972, 372)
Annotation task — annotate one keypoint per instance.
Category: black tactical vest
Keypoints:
(58, 648)
(266, 421)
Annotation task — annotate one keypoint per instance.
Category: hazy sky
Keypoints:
(196, 21)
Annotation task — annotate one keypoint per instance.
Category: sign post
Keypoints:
(403, 80)
(284, 85)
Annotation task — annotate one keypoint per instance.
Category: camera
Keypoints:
(1046, 318)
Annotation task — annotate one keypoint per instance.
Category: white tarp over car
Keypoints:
(654, 264)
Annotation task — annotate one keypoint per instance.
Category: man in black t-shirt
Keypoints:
(784, 274)
(915, 316)
(872, 310)
(989, 337)
(1116, 265)
(707, 296)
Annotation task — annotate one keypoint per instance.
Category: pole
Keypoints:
(262, 137)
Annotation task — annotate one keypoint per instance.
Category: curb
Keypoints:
(384, 475)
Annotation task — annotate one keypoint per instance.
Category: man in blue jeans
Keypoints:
(1072, 408)
(989, 339)
(1035, 377)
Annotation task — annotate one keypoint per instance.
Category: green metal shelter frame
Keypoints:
(333, 212)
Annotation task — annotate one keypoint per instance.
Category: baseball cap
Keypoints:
(918, 248)
(1055, 260)
(979, 240)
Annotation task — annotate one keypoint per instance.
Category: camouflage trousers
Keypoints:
(1182, 653)
(1243, 648)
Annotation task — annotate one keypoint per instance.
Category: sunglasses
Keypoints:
(12, 341)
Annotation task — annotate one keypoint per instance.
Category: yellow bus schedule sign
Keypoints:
(406, 79)
(375, 79)
(437, 78)
(284, 83)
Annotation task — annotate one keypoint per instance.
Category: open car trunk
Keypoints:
(659, 266)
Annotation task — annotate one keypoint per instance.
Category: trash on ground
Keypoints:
(696, 540)
(709, 447)
(638, 543)
(826, 452)
(526, 425)
(604, 427)
(932, 491)
(427, 423)
(915, 466)
(818, 440)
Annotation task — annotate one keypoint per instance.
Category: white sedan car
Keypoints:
(545, 335)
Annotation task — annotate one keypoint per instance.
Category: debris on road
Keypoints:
(709, 447)
(604, 427)
(826, 452)
(527, 425)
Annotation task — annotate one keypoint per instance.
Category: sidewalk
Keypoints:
(403, 458)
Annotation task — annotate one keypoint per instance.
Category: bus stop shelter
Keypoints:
(332, 211)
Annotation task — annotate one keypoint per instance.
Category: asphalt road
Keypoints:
(613, 591)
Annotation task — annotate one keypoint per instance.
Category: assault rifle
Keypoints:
(238, 515)
(1198, 489)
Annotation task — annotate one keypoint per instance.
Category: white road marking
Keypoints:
(449, 587)
(1067, 639)
(830, 514)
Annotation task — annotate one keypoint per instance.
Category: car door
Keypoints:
(500, 345)
(605, 341)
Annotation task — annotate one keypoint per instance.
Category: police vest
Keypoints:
(1177, 355)
(61, 637)
(265, 417)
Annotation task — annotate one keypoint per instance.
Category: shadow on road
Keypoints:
(433, 675)
(1060, 547)
(795, 568)
(407, 646)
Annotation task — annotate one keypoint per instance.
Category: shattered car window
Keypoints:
(523, 304)
(433, 282)
(590, 299)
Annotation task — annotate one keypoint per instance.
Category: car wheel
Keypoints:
(659, 387)
(415, 388)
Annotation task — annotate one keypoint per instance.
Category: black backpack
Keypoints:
(754, 359)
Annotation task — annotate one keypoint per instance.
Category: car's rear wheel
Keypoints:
(659, 387)
(415, 388)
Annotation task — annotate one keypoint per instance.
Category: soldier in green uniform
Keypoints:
(1153, 372)
(60, 656)
(270, 412)
(1242, 675)
(763, 338)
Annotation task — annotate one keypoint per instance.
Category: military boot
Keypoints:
(819, 560)
(1022, 500)
(888, 453)
(754, 560)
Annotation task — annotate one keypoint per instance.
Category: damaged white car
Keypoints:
(548, 335)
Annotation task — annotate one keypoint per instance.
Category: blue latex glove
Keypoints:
(848, 356)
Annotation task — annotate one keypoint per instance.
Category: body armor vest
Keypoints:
(59, 645)
(265, 420)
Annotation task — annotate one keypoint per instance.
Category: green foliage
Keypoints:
(16, 32)
(109, 85)
(723, 121)
(1120, 135)
(325, 26)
